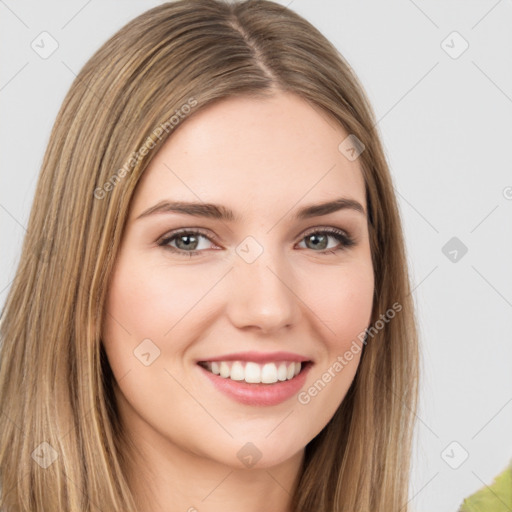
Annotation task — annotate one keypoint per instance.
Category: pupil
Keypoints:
(188, 238)
(311, 237)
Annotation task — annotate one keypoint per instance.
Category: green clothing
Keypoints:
(494, 498)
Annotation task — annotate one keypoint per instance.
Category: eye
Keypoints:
(320, 239)
(187, 241)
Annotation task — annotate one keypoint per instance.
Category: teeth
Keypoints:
(237, 371)
(224, 369)
(254, 373)
(269, 373)
(282, 371)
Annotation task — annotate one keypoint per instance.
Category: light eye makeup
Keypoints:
(192, 237)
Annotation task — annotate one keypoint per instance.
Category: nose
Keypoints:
(261, 294)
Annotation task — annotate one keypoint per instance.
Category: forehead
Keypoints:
(253, 153)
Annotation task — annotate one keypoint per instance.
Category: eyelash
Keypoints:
(342, 237)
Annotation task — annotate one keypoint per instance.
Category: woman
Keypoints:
(255, 372)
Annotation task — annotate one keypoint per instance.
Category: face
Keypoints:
(227, 325)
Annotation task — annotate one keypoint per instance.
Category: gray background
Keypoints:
(446, 124)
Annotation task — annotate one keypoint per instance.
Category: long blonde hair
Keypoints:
(60, 439)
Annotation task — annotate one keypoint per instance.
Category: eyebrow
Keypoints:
(219, 212)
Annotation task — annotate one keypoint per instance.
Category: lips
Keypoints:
(258, 394)
(254, 378)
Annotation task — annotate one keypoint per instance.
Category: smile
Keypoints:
(253, 372)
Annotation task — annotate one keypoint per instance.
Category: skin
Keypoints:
(264, 159)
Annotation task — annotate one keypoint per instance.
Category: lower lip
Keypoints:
(258, 394)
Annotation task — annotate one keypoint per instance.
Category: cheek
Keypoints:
(344, 306)
(153, 310)
(148, 302)
(354, 306)
(343, 301)
(134, 314)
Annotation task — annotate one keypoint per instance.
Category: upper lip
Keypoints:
(259, 357)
